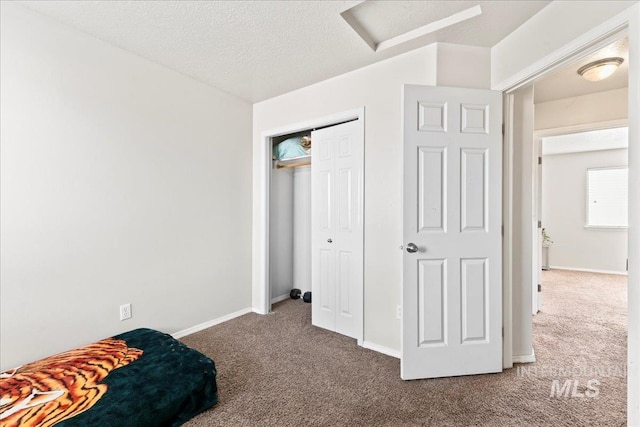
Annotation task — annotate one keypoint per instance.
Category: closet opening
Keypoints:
(313, 218)
(290, 215)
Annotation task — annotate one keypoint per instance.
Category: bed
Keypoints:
(138, 378)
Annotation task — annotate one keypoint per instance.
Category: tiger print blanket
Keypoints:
(63, 389)
(51, 390)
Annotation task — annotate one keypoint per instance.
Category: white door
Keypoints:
(337, 228)
(452, 266)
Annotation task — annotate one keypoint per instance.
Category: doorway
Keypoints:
(585, 45)
(580, 127)
(582, 203)
(583, 200)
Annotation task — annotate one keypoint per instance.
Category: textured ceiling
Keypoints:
(260, 49)
(567, 83)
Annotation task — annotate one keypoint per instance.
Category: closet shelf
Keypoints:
(293, 162)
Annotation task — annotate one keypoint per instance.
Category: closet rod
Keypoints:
(333, 124)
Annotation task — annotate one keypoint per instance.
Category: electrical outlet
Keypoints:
(125, 311)
(398, 311)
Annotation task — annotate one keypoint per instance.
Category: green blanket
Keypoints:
(166, 386)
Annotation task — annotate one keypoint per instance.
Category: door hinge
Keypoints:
(503, 332)
(502, 230)
(539, 287)
(503, 129)
(627, 264)
(539, 224)
(539, 160)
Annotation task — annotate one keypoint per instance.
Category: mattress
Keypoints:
(139, 378)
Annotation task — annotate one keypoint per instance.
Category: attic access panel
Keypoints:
(386, 24)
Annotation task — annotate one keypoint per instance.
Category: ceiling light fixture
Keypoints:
(600, 69)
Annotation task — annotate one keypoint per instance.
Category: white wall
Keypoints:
(281, 232)
(302, 228)
(597, 107)
(564, 213)
(121, 181)
(463, 66)
(290, 231)
(377, 88)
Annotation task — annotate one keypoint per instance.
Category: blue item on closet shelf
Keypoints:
(289, 148)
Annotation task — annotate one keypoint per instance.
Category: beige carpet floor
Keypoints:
(278, 370)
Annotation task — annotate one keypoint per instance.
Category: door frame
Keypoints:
(538, 136)
(626, 22)
(265, 157)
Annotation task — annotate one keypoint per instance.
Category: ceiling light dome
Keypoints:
(600, 69)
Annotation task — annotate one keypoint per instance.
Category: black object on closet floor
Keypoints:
(296, 293)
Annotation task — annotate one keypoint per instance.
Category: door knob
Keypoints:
(412, 248)
(329, 241)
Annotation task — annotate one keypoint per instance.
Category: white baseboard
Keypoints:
(527, 358)
(381, 349)
(589, 270)
(280, 298)
(210, 323)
